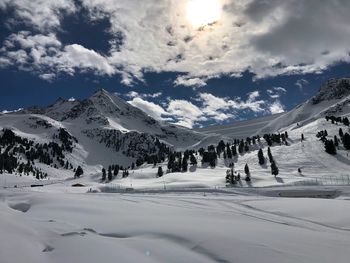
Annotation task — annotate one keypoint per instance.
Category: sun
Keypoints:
(203, 12)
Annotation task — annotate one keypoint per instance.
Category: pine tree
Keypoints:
(330, 147)
(232, 180)
(229, 152)
(261, 157)
(302, 137)
(103, 174)
(241, 147)
(78, 172)
(346, 121)
(274, 168)
(125, 173)
(193, 160)
(184, 164)
(110, 175)
(234, 150)
(246, 170)
(246, 147)
(346, 141)
(160, 171)
(171, 161)
(116, 170)
(336, 141)
(341, 133)
(286, 134)
(269, 154)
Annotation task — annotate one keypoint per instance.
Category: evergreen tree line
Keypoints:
(178, 161)
(232, 177)
(336, 120)
(13, 148)
(262, 161)
(331, 145)
(113, 170)
(277, 138)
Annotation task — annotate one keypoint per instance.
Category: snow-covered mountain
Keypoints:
(107, 130)
(333, 98)
(107, 111)
(333, 89)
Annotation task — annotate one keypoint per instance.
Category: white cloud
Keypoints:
(276, 92)
(205, 107)
(253, 95)
(267, 38)
(185, 112)
(301, 83)
(276, 107)
(77, 56)
(43, 15)
(47, 76)
(152, 109)
(45, 55)
(190, 82)
(4, 62)
(280, 89)
(134, 94)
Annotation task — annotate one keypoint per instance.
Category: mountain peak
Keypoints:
(336, 88)
(104, 97)
(101, 91)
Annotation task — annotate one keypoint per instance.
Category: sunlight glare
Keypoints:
(203, 12)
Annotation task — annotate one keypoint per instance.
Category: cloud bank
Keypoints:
(204, 108)
(267, 38)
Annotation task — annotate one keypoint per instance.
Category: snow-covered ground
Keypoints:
(241, 226)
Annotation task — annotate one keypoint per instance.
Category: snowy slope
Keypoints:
(333, 98)
(108, 131)
(308, 155)
(174, 228)
(104, 110)
(240, 129)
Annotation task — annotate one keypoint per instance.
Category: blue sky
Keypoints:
(256, 58)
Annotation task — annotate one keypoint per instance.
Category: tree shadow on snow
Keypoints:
(279, 180)
(193, 168)
(342, 159)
